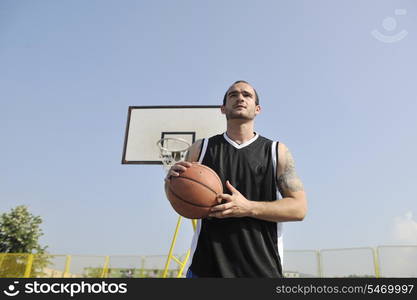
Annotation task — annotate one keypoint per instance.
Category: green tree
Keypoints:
(19, 233)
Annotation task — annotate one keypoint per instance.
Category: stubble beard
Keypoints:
(233, 115)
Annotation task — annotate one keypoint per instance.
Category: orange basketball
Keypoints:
(194, 191)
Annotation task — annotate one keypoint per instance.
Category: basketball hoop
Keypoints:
(172, 150)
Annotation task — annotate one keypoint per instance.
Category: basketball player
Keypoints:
(242, 237)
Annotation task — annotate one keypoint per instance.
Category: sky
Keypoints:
(336, 81)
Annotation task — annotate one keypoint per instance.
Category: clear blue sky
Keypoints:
(343, 101)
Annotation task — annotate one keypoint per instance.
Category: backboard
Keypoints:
(148, 124)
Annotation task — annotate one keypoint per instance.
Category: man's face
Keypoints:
(240, 102)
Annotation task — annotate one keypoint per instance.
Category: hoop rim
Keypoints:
(159, 144)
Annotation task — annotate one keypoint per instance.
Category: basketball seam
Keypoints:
(185, 177)
(209, 169)
(182, 199)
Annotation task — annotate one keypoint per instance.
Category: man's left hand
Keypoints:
(234, 205)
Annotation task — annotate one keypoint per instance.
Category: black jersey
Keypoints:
(239, 247)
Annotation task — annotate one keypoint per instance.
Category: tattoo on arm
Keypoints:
(289, 181)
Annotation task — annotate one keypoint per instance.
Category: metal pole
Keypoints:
(164, 274)
(67, 266)
(28, 266)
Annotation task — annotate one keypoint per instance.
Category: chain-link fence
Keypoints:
(382, 261)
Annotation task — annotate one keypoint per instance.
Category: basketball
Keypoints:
(194, 191)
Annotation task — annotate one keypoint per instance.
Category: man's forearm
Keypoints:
(282, 210)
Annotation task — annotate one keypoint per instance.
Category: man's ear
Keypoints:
(222, 109)
(257, 109)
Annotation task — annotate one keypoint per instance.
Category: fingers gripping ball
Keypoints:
(194, 191)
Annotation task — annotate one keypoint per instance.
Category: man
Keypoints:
(242, 236)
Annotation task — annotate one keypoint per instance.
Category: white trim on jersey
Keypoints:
(279, 224)
(198, 229)
(274, 155)
(193, 244)
(203, 150)
(280, 241)
(236, 145)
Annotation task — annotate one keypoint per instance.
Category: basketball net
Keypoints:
(172, 150)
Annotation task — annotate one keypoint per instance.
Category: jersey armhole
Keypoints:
(277, 161)
(203, 149)
(277, 156)
(276, 165)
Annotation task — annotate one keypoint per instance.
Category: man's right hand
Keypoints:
(176, 169)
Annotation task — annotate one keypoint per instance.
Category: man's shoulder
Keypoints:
(282, 148)
(283, 153)
(263, 138)
(216, 138)
(199, 143)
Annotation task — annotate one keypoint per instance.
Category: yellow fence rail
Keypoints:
(381, 261)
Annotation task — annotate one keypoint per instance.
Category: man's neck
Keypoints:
(240, 133)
